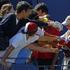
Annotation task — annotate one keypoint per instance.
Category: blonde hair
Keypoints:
(6, 8)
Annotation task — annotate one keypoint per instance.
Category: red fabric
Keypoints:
(46, 55)
(53, 31)
(41, 55)
(68, 44)
(62, 42)
(32, 27)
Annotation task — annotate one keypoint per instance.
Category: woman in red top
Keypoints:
(51, 33)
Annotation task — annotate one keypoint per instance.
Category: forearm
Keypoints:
(48, 38)
(36, 47)
(8, 51)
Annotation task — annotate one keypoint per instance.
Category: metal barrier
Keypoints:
(30, 66)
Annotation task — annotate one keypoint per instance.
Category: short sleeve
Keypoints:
(17, 40)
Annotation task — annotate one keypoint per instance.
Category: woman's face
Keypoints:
(39, 13)
(68, 22)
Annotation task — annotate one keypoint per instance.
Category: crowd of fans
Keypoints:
(33, 31)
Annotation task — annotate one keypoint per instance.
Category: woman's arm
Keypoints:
(7, 53)
(48, 37)
(41, 49)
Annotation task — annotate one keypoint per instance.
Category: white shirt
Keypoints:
(20, 41)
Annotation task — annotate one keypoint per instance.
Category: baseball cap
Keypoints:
(30, 27)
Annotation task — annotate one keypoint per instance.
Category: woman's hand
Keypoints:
(5, 64)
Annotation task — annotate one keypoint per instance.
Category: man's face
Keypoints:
(26, 13)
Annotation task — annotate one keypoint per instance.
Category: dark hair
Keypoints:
(41, 6)
(23, 5)
(33, 16)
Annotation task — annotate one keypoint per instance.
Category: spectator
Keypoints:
(13, 22)
(66, 38)
(6, 8)
(3, 2)
(67, 24)
(21, 40)
(51, 33)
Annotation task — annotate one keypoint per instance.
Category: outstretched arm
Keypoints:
(41, 49)
(7, 53)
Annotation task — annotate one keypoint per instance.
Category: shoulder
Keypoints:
(18, 40)
(19, 37)
(9, 18)
(10, 15)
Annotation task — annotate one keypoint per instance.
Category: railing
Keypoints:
(31, 66)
